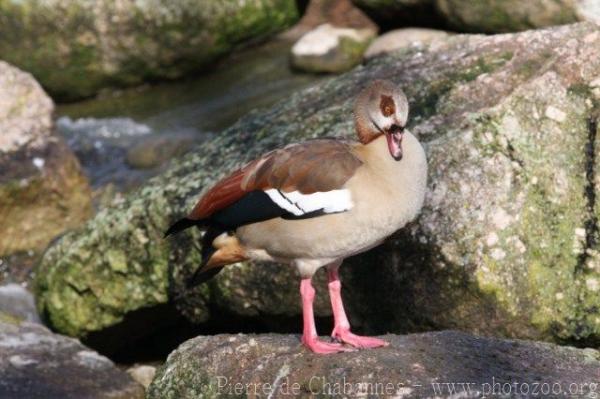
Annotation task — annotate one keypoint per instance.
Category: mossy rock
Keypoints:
(506, 243)
(77, 47)
(506, 16)
(330, 49)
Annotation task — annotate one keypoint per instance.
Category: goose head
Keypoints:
(382, 108)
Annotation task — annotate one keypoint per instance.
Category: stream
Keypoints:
(122, 138)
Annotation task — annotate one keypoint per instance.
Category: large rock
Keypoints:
(42, 189)
(76, 47)
(506, 243)
(399, 39)
(331, 49)
(37, 364)
(514, 15)
(445, 364)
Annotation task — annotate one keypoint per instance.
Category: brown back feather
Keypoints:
(309, 167)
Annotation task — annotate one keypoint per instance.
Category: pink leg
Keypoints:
(310, 338)
(341, 329)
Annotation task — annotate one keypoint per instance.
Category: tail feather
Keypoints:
(181, 225)
(202, 274)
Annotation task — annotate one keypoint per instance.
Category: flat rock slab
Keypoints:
(36, 363)
(436, 364)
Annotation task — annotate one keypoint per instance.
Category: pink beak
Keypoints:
(394, 141)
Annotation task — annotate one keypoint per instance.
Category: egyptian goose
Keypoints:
(315, 203)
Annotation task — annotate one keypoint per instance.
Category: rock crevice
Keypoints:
(591, 225)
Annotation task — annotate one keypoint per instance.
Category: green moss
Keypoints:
(113, 284)
(533, 65)
(344, 56)
(580, 90)
(547, 289)
(75, 48)
(353, 50)
(10, 319)
(426, 104)
(484, 65)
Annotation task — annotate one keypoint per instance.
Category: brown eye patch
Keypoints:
(387, 106)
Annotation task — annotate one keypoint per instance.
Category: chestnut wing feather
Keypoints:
(314, 166)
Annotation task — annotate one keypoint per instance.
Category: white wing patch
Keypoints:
(300, 204)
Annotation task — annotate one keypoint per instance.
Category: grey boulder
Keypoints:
(37, 364)
(446, 364)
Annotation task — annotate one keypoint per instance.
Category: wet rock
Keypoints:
(91, 45)
(330, 49)
(154, 151)
(18, 302)
(42, 189)
(101, 145)
(403, 38)
(506, 243)
(514, 15)
(445, 364)
(37, 364)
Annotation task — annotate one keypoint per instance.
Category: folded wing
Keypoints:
(298, 181)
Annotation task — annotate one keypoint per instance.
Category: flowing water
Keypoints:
(104, 131)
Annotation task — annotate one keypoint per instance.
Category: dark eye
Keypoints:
(387, 106)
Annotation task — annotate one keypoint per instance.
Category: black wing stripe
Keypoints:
(253, 207)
